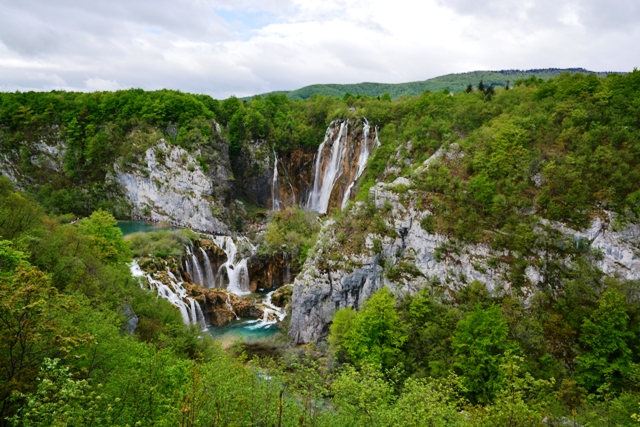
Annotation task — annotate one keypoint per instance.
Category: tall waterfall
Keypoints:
(210, 280)
(275, 186)
(237, 272)
(323, 182)
(363, 158)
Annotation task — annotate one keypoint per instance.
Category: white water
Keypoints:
(275, 186)
(193, 267)
(323, 183)
(363, 158)
(237, 272)
(270, 311)
(210, 280)
(136, 271)
(175, 296)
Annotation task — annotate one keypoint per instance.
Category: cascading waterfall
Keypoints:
(176, 297)
(323, 183)
(275, 186)
(237, 272)
(210, 280)
(193, 267)
(363, 158)
(269, 310)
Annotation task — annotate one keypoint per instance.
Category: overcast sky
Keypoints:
(244, 47)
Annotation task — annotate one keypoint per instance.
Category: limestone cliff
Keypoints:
(170, 185)
(403, 256)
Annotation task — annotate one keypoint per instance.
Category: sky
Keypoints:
(245, 47)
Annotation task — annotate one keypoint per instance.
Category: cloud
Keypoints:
(225, 47)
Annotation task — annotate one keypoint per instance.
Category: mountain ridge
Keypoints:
(455, 82)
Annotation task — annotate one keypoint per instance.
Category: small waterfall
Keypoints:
(199, 315)
(237, 272)
(323, 183)
(210, 280)
(275, 186)
(269, 309)
(193, 267)
(363, 158)
(230, 307)
(174, 296)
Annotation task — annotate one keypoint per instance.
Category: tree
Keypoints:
(481, 86)
(479, 343)
(31, 329)
(607, 357)
(469, 88)
(107, 238)
(374, 335)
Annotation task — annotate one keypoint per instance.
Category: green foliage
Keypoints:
(454, 82)
(293, 231)
(161, 244)
(61, 401)
(107, 238)
(605, 335)
(373, 335)
(479, 342)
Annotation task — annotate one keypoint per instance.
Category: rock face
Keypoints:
(170, 185)
(414, 258)
(269, 272)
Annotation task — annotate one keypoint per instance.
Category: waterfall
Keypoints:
(275, 186)
(197, 314)
(174, 296)
(323, 183)
(363, 158)
(193, 267)
(210, 280)
(230, 307)
(237, 272)
(267, 309)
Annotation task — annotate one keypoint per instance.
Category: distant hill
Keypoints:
(454, 82)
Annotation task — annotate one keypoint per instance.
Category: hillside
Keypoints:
(456, 83)
(468, 259)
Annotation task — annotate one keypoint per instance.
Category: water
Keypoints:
(363, 158)
(243, 329)
(208, 271)
(322, 191)
(130, 227)
(237, 272)
(275, 186)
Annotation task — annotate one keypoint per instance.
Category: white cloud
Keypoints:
(285, 44)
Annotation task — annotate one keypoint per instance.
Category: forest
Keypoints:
(565, 352)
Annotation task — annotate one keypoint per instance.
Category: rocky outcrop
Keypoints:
(282, 296)
(170, 185)
(269, 272)
(414, 258)
(221, 306)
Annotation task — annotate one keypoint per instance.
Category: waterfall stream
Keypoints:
(363, 158)
(275, 186)
(323, 182)
(193, 267)
(237, 272)
(210, 280)
(176, 294)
